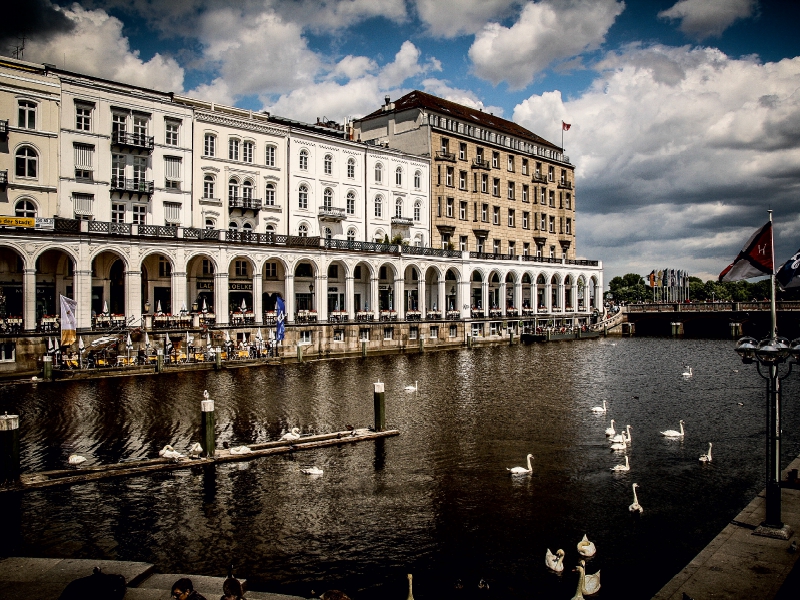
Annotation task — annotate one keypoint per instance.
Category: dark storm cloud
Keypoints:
(30, 18)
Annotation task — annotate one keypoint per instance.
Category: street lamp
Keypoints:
(771, 353)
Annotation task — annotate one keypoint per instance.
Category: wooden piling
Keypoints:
(299, 353)
(421, 343)
(9, 448)
(159, 360)
(218, 359)
(207, 426)
(47, 367)
(379, 404)
(363, 349)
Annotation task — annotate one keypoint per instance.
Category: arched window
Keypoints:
(351, 203)
(327, 199)
(378, 206)
(351, 235)
(418, 241)
(233, 190)
(328, 233)
(398, 176)
(208, 186)
(27, 162)
(398, 208)
(269, 159)
(233, 226)
(303, 230)
(304, 160)
(379, 236)
(328, 164)
(211, 224)
(247, 190)
(247, 227)
(25, 208)
(302, 197)
(417, 179)
(269, 195)
(417, 211)
(270, 228)
(378, 173)
(351, 168)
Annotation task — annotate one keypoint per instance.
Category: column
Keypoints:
(82, 285)
(399, 297)
(289, 297)
(178, 292)
(548, 296)
(373, 297)
(561, 296)
(133, 295)
(29, 299)
(221, 297)
(421, 296)
(258, 289)
(440, 305)
(349, 297)
(485, 296)
(464, 297)
(321, 301)
(518, 297)
(503, 300)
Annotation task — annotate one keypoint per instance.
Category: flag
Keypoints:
(69, 322)
(754, 260)
(280, 327)
(652, 278)
(565, 126)
(789, 274)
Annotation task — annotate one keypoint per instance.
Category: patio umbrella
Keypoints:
(49, 345)
(80, 351)
(208, 340)
(80, 344)
(128, 346)
(227, 338)
(146, 340)
(205, 307)
(244, 306)
(183, 307)
(158, 307)
(105, 307)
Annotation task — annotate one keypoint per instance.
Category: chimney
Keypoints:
(386, 100)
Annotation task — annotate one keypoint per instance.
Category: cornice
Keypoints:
(217, 119)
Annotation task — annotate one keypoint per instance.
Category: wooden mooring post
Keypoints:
(9, 448)
(379, 404)
(47, 367)
(207, 426)
(159, 360)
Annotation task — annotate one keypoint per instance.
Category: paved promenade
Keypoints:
(740, 565)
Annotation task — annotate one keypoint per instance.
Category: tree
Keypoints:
(629, 288)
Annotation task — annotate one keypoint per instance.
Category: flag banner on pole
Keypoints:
(652, 278)
(789, 274)
(280, 327)
(69, 322)
(565, 126)
(754, 260)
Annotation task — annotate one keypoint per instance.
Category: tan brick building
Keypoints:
(496, 188)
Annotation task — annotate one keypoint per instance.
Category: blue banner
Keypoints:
(789, 274)
(280, 328)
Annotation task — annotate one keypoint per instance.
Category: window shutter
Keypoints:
(172, 168)
(84, 156)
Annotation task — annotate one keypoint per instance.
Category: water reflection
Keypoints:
(436, 501)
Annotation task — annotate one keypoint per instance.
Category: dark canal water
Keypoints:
(436, 501)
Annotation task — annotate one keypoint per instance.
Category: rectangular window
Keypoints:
(496, 187)
(388, 333)
(445, 146)
(569, 226)
(210, 145)
(138, 213)
(27, 114)
(450, 173)
(484, 183)
(8, 352)
(525, 219)
(172, 128)
(494, 328)
(438, 174)
(139, 168)
(563, 176)
(338, 335)
(543, 224)
(172, 172)
(551, 173)
(270, 156)
(544, 196)
(233, 149)
(82, 205)
(477, 330)
(526, 248)
(271, 270)
(83, 117)
(496, 246)
(439, 206)
(462, 210)
(485, 213)
(462, 180)
(172, 213)
(434, 332)
(512, 248)
(305, 338)
(496, 160)
(510, 163)
(538, 172)
(453, 331)
(511, 216)
(84, 161)
(496, 216)
(140, 126)
(462, 243)
(119, 123)
(117, 213)
(462, 151)
(525, 193)
(552, 198)
(479, 243)
(569, 201)
(247, 152)
(117, 168)
(363, 334)
(511, 190)
(413, 332)
(240, 268)
(552, 225)
(524, 166)
(450, 203)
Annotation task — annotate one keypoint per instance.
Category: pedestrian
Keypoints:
(184, 590)
(232, 588)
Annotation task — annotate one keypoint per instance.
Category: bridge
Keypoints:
(713, 319)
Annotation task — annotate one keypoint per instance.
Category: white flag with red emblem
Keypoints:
(754, 260)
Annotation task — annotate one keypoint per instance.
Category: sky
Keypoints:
(685, 114)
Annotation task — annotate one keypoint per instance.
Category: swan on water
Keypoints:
(600, 409)
(590, 584)
(195, 450)
(522, 470)
(688, 373)
(620, 437)
(611, 431)
(76, 459)
(579, 591)
(411, 388)
(628, 435)
(672, 433)
(706, 457)
(410, 593)
(619, 446)
(586, 548)
(240, 450)
(635, 507)
(625, 467)
(292, 436)
(170, 452)
(554, 562)
(312, 471)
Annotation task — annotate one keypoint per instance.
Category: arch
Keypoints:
(417, 210)
(269, 194)
(526, 278)
(247, 189)
(201, 268)
(327, 199)
(209, 182)
(302, 230)
(327, 233)
(398, 176)
(380, 235)
(25, 207)
(511, 277)
(378, 173)
(26, 161)
(417, 179)
(336, 296)
(12, 267)
(351, 202)
(108, 281)
(351, 168)
(352, 233)
(302, 196)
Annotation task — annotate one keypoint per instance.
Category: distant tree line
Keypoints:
(631, 288)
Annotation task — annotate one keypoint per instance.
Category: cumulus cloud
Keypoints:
(459, 17)
(33, 18)
(679, 152)
(546, 33)
(95, 45)
(702, 19)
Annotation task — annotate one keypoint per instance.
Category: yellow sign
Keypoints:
(17, 221)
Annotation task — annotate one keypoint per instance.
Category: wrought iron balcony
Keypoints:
(132, 140)
(443, 155)
(479, 163)
(403, 221)
(564, 185)
(3, 178)
(331, 214)
(3, 128)
(135, 186)
(244, 203)
(539, 178)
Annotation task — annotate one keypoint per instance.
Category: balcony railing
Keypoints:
(403, 221)
(332, 214)
(132, 140)
(244, 203)
(136, 186)
(443, 155)
(539, 178)
(361, 246)
(424, 251)
(479, 163)
(565, 185)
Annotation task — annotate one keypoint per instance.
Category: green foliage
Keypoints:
(397, 239)
(386, 239)
(629, 288)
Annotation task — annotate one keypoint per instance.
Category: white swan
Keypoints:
(620, 437)
(628, 435)
(706, 457)
(600, 409)
(687, 374)
(76, 459)
(312, 471)
(554, 562)
(522, 470)
(611, 431)
(195, 450)
(240, 450)
(635, 507)
(590, 584)
(625, 467)
(411, 388)
(619, 446)
(170, 452)
(586, 548)
(292, 436)
(579, 591)
(672, 433)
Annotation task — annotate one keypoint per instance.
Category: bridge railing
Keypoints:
(781, 305)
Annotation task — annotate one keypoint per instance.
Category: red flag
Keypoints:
(754, 260)
(565, 126)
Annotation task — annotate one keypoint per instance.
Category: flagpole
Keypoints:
(774, 330)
